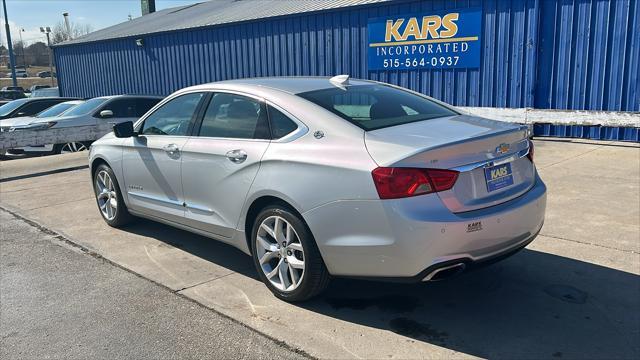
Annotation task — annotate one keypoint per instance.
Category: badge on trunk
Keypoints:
(502, 149)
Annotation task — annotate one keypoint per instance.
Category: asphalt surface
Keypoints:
(59, 302)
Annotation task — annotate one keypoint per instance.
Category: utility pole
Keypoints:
(24, 59)
(47, 31)
(12, 60)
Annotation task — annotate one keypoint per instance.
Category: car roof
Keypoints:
(51, 98)
(289, 84)
(155, 97)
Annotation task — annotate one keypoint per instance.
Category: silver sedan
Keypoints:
(322, 177)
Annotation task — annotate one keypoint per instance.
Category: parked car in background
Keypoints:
(50, 113)
(28, 106)
(111, 109)
(14, 88)
(45, 74)
(10, 95)
(318, 177)
(38, 87)
(46, 92)
(55, 110)
(19, 73)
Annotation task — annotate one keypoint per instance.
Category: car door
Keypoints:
(151, 160)
(221, 160)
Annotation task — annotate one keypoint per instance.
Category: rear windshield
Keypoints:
(56, 110)
(374, 107)
(9, 107)
(86, 107)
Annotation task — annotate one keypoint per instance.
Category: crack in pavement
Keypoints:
(592, 244)
(598, 146)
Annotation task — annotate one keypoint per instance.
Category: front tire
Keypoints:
(109, 198)
(286, 256)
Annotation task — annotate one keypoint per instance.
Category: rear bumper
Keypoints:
(406, 239)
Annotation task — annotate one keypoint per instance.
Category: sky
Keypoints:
(30, 15)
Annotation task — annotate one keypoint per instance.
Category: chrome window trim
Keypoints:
(295, 134)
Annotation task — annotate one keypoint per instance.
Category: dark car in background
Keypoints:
(45, 74)
(15, 88)
(10, 95)
(29, 106)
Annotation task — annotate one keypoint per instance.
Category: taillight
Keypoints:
(530, 154)
(394, 183)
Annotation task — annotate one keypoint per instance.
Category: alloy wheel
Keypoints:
(72, 147)
(106, 194)
(280, 253)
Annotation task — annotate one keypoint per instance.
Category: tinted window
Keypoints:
(172, 118)
(144, 105)
(235, 116)
(36, 107)
(281, 125)
(130, 107)
(377, 106)
(86, 107)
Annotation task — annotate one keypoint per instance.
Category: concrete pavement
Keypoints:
(573, 293)
(58, 302)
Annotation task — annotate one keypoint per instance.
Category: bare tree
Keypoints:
(59, 32)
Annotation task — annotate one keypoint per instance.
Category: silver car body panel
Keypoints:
(327, 179)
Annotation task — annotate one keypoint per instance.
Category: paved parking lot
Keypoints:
(573, 293)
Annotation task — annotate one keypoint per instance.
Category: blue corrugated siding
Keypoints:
(561, 54)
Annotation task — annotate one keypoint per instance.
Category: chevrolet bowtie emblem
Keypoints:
(502, 148)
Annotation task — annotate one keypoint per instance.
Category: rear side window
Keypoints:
(235, 116)
(374, 107)
(281, 125)
(172, 118)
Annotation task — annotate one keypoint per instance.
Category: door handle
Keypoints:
(237, 156)
(171, 149)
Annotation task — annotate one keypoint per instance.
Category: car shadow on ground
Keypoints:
(531, 305)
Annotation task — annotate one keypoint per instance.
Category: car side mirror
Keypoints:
(124, 130)
(106, 113)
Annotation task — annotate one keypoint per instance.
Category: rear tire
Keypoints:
(109, 198)
(71, 147)
(289, 264)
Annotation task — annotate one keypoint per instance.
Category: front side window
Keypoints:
(235, 116)
(130, 107)
(374, 107)
(172, 118)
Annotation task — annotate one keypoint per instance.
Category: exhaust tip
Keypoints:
(445, 272)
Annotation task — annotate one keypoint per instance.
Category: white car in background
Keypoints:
(112, 109)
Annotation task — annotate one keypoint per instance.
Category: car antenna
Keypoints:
(340, 81)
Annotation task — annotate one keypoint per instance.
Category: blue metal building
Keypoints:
(546, 54)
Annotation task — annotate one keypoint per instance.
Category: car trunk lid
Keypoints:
(471, 145)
